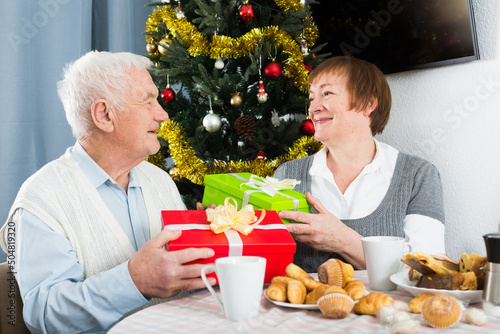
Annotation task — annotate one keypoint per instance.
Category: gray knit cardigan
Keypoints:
(415, 188)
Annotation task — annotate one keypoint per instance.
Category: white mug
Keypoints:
(383, 256)
(241, 280)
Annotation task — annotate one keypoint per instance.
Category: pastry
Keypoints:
(430, 264)
(296, 292)
(281, 279)
(413, 275)
(335, 272)
(335, 305)
(277, 291)
(335, 289)
(450, 281)
(476, 263)
(296, 272)
(415, 305)
(318, 292)
(311, 283)
(441, 311)
(370, 303)
(355, 289)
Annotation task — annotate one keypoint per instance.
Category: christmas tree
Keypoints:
(233, 79)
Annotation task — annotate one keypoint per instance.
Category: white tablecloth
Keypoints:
(200, 313)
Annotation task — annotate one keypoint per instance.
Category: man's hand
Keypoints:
(162, 274)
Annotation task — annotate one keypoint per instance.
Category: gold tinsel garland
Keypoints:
(224, 46)
(195, 169)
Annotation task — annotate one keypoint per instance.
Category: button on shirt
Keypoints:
(366, 193)
(54, 290)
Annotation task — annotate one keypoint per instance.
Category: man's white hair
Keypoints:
(96, 75)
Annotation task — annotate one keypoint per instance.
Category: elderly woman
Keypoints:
(357, 185)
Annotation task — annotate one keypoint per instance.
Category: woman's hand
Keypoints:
(324, 231)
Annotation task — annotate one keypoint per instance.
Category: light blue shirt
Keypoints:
(55, 298)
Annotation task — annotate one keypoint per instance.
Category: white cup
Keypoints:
(383, 256)
(241, 280)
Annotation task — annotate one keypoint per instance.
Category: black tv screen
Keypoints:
(398, 35)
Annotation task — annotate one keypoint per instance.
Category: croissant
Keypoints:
(355, 289)
(296, 292)
(370, 303)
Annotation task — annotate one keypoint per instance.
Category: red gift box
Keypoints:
(269, 239)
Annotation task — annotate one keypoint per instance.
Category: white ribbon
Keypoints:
(233, 237)
(260, 185)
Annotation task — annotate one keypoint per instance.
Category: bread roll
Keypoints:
(296, 292)
(296, 272)
(277, 291)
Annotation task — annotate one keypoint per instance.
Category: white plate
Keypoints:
(401, 280)
(299, 306)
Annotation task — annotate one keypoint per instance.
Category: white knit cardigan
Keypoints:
(61, 196)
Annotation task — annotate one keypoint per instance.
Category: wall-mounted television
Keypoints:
(398, 35)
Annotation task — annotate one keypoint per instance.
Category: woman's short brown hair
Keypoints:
(364, 80)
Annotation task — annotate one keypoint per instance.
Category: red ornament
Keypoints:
(307, 127)
(308, 67)
(260, 156)
(273, 70)
(167, 95)
(246, 12)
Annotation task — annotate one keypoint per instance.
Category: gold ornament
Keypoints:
(236, 100)
(174, 174)
(151, 48)
(162, 46)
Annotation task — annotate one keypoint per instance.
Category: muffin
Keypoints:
(441, 311)
(335, 305)
(335, 272)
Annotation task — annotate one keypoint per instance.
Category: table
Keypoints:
(200, 313)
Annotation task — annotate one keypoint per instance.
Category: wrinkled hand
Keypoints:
(324, 231)
(162, 274)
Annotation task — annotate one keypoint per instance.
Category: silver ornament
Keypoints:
(219, 64)
(212, 122)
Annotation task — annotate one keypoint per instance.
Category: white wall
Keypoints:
(451, 117)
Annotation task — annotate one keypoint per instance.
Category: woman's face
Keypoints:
(330, 110)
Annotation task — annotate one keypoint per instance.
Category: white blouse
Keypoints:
(366, 193)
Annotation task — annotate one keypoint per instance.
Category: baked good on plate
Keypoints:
(335, 272)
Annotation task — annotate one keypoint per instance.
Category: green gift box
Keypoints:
(220, 186)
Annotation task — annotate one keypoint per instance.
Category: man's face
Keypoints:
(136, 125)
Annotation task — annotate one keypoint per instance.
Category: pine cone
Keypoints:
(245, 126)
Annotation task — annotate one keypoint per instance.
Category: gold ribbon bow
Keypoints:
(227, 216)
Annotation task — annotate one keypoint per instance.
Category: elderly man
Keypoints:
(88, 241)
